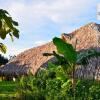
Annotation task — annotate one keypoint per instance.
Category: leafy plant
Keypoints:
(44, 87)
(3, 60)
(7, 26)
(69, 58)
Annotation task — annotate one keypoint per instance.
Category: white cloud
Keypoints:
(98, 10)
(34, 16)
(35, 13)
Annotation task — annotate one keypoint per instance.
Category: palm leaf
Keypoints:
(84, 57)
(65, 49)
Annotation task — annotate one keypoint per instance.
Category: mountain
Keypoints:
(31, 60)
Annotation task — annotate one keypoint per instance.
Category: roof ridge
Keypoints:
(92, 25)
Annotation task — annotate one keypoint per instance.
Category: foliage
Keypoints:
(83, 57)
(49, 86)
(3, 60)
(8, 90)
(69, 58)
(66, 50)
(7, 26)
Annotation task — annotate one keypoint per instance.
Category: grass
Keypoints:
(8, 89)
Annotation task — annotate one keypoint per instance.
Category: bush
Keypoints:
(53, 84)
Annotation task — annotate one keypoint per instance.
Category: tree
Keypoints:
(11, 57)
(68, 57)
(7, 27)
(3, 60)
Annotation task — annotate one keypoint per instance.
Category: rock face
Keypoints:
(87, 37)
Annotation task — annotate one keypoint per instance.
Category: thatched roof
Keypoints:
(28, 61)
(87, 37)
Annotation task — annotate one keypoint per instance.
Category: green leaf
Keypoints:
(3, 33)
(11, 36)
(16, 33)
(0, 24)
(5, 12)
(60, 58)
(83, 57)
(7, 26)
(66, 50)
(8, 21)
(66, 84)
(3, 48)
(15, 23)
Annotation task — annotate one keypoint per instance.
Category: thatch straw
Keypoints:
(87, 37)
(28, 61)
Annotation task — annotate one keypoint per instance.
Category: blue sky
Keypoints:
(41, 20)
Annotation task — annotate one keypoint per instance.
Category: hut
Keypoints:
(31, 60)
(28, 61)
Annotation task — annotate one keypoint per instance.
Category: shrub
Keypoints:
(52, 84)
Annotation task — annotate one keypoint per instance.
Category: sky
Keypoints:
(41, 20)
